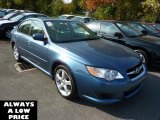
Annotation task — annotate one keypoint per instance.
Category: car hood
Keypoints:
(149, 39)
(5, 21)
(103, 53)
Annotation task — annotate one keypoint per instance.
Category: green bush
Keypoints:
(105, 12)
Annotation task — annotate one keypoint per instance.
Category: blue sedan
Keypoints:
(80, 63)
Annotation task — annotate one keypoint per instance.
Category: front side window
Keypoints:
(25, 27)
(109, 29)
(37, 28)
(62, 31)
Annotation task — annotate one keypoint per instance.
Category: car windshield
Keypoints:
(62, 31)
(17, 18)
(157, 26)
(150, 29)
(128, 30)
(77, 19)
(136, 26)
(9, 15)
(62, 17)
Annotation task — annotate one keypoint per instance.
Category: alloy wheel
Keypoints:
(63, 82)
(142, 57)
(16, 53)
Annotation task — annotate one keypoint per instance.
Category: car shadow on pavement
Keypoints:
(154, 69)
(145, 105)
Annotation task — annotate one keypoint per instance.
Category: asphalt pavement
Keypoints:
(36, 85)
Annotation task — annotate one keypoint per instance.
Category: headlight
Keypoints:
(107, 74)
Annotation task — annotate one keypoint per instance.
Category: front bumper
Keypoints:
(103, 92)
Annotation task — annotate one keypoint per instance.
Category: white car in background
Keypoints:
(66, 16)
(83, 19)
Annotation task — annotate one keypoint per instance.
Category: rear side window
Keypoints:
(109, 28)
(37, 28)
(94, 26)
(25, 27)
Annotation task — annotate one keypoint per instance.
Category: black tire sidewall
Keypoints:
(6, 33)
(145, 55)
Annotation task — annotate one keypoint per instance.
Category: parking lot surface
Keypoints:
(35, 85)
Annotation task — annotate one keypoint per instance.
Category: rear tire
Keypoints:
(16, 53)
(8, 33)
(65, 82)
(143, 55)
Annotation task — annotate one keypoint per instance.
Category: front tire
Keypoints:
(64, 82)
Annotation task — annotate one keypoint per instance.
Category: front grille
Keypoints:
(135, 71)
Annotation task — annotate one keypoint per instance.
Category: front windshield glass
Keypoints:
(67, 31)
(128, 30)
(17, 18)
(76, 19)
(9, 15)
(136, 26)
(150, 29)
(157, 26)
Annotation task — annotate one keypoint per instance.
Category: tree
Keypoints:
(151, 10)
(92, 5)
(60, 8)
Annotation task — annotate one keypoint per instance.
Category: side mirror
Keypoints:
(39, 37)
(144, 32)
(118, 34)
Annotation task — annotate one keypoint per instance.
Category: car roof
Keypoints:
(67, 15)
(111, 21)
(30, 13)
(45, 19)
(82, 17)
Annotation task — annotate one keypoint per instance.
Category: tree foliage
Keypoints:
(145, 10)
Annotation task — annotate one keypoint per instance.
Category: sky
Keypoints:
(67, 1)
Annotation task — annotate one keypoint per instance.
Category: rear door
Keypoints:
(22, 37)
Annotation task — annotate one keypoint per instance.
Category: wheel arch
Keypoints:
(143, 49)
(59, 62)
(12, 44)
